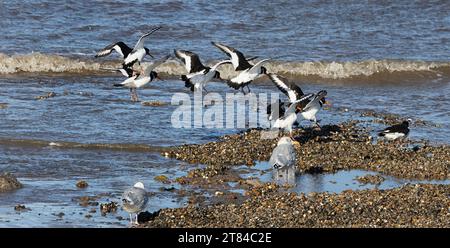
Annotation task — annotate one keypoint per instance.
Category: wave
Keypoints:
(376, 69)
(89, 146)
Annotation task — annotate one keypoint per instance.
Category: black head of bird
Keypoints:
(147, 51)
(407, 122)
(263, 70)
(217, 75)
(154, 75)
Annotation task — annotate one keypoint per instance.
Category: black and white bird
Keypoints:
(130, 56)
(396, 131)
(291, 90)
(272, 114)
(284, 154)
(138, 80)
(198, 74)
(134, 200)
(126, 72)
(290, 116)
(247, 71)
(310, 107)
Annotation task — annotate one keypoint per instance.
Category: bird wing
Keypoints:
(149, 67)
(305, 98)
(317, 97)
(135, 196)
(237, 58)
(191, 60)
(275, 108)
(283, 155)
(395, 128)
(252, 58)
(291, 90)
(126, 71)
(128, 81)
(140, 42)
(214, 67)
(119, 47)
(255, 68)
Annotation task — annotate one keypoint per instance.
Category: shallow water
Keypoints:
(388, 57)
(92, 131)
(326, 182)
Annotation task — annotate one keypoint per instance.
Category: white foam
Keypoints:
(38, 62)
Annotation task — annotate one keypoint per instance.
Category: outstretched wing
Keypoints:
(150, 67)
(282, 156)
(237, 58)
(135, 197)
(140, 42)
(119, 47)
(291, 90)
(315, 100)
(191, 60)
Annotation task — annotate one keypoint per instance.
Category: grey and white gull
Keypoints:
(134, 200)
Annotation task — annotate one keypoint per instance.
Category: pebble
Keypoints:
(82, 184)
(9, 182)
(423, 205)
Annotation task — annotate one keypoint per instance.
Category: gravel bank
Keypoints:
(407, 206)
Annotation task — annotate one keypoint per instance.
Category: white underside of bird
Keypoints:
(286, 122)
(249, 74)
(199, 79)
(136, 81)
(310, 113)
(137, 55)
(393, 136)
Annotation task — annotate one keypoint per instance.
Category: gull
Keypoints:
(284, 154)
(135, 200)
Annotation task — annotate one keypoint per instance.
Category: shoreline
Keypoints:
(419, 205)
(271, 205)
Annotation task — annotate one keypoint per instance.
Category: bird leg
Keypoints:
(291, 136)
(137, 223)
(242, 89)
(134, 96)
(131, 219)
(317, 124)
(248, 89)
(204, 89)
